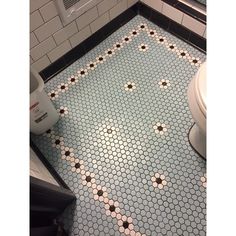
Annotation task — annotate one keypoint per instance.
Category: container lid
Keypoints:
(201, 87)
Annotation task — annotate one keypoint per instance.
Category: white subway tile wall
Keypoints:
(59, 51)
(41, 63)
(36, 4)
(35, 20)
(51, 39)
(33, 40)
(42, 48)
(65, 33)
(48, 11)
(178, 16)
(87, 18)
(172, 13)
(155, 4)
(99, 22)
(194, 25)
(31, 60)
(132, 2)
(80, 36)
(105, 6)
(48, 28)
(204, 35)
(118, 9)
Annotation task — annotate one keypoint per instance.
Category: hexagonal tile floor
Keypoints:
(121, 143)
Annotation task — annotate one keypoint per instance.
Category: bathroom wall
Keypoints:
(178, 16)
(50, 38)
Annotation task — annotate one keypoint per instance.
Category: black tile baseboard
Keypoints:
(139, 8)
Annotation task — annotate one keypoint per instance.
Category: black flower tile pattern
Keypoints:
(53, 95)
(72, 80)
(58, 142)
(82, 72)
(123, 147)
(164, 83)
(63, 111)
(143, 47)
(130, 86)
(159, 181)
(183, 54)
(63, 87)
(160, 128)
(91, 65)
(100, 59)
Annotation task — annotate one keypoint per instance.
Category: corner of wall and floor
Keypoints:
(50, 38)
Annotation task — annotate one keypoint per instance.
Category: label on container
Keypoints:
(38, 112)
(42, 117)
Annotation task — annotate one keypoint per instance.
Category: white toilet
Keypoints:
(197, 105)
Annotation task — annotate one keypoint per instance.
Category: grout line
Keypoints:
(40, 6)
(42, 16)
(46, 23)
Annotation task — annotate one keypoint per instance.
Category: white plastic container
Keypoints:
(43, 114)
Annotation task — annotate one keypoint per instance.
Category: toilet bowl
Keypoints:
(197, 105)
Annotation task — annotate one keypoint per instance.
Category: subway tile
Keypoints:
(35, 20)
(87, 18)
(131, 2)
(59, 51)
(204, 35)
(41, 63)
(172, 13)
(80, 36)
(99, 22)
(33, 40)
(118, 9)
(105, 6)
(48, 28)
(155, 4)
(65, 33)
(36, 4)
(42, 48)
(193, 25)
(48, 11)
(31, 60)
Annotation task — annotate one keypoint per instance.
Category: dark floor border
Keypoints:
(172, 27)
(52, 171)
(187, 10)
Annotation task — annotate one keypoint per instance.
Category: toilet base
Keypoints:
(197, 140)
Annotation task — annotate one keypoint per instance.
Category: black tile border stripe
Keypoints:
(187, 10)
(139, 8)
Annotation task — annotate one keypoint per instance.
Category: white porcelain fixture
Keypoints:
(197, 105)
